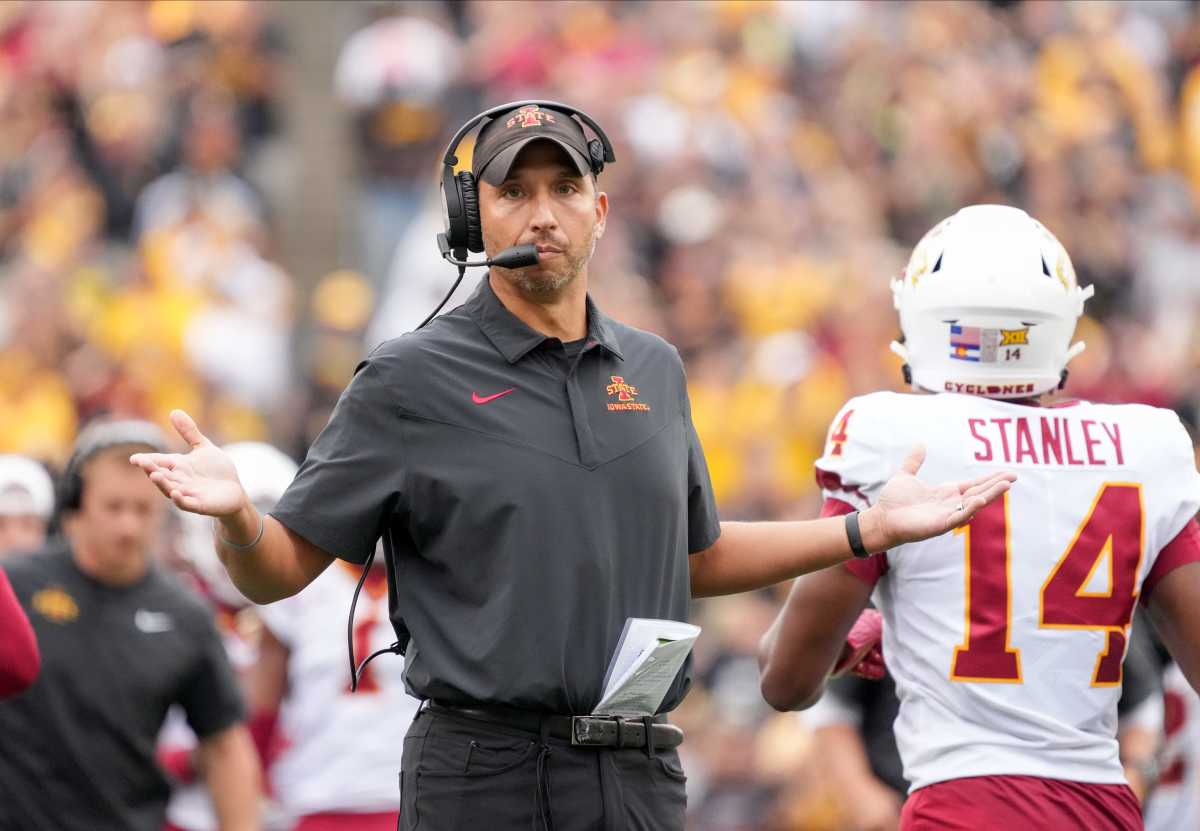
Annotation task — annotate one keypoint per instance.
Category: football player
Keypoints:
(338, 749)
(265, 472)
(1005, 638)
(1175, 800)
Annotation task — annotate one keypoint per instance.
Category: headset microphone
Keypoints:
(518, 256)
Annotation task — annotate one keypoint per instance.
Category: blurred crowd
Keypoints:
(776, 162)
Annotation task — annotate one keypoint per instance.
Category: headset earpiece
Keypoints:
(70, 488)
(596, 152)
(473, 228)
(463, 229)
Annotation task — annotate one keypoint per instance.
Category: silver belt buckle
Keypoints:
(585, 731)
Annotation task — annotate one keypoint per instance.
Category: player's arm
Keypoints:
(800, 649)
(267, 687)
(20, 660)
(1176, 615)
(1169, 594)
(229, 764)
(753, 555)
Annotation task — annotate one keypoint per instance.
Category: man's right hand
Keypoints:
(202, 481)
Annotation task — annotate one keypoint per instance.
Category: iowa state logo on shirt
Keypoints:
(626, 396)
(55, 604)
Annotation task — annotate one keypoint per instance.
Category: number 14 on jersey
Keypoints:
(1112, 532)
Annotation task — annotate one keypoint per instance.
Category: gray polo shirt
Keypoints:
(529, 502)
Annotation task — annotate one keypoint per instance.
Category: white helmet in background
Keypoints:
(988, 305)
(265, 473)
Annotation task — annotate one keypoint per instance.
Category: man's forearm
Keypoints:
(278, 565)
(230, 768)
(753, 555)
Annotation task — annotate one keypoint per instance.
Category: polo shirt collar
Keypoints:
(514, 339)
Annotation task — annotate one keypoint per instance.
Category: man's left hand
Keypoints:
(909, 510)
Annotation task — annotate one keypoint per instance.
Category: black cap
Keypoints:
(502, 138)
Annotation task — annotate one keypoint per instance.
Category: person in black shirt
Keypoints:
(533, 470)
(120, 643)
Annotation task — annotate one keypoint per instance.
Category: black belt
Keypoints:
(581, 731)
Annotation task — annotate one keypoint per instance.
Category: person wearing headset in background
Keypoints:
(532, 468)
(120, 642)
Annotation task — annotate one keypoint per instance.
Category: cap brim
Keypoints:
(496, 171)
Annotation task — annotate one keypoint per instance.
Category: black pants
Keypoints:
(460, 774)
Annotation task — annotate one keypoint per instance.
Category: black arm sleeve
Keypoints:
(348, 484)
(704, 525)
(1141, 676)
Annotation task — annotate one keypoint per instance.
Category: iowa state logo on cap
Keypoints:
(531, 115)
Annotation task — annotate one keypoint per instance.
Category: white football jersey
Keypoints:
(1006, 637)
(1175, 801)
(341, 750)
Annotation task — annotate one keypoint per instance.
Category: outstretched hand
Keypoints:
(909, 510)
(202, 481)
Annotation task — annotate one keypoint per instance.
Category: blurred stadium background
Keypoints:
(221, 206)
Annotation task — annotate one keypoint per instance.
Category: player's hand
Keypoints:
(202, 481)
(862, 654)
(909, 510)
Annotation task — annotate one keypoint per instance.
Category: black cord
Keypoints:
(462, 270)
(356, 670)
(350, 621)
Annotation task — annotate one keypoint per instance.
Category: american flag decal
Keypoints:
(965, 342)
(979, 345)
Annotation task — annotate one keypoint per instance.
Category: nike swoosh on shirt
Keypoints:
(150, 622)
(483, 399)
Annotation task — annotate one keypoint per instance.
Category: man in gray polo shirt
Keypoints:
(532, 468)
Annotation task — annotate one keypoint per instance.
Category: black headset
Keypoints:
(94, 438)
(460, 196)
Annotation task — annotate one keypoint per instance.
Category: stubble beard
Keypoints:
(547, 284)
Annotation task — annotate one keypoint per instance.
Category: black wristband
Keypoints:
(854, 535)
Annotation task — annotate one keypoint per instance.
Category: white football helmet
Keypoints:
(988, 305)
(265, 473)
